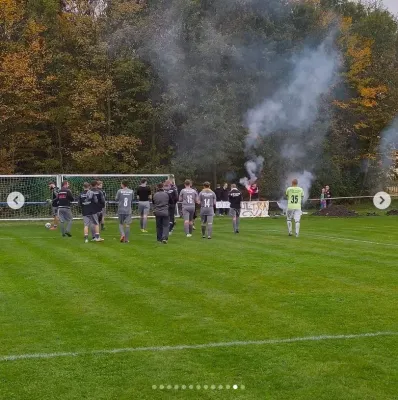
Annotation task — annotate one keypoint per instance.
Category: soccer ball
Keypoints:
(48, 225)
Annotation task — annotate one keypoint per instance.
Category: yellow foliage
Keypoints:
(341, 104)
(361, 125)
(372, 92)
(345, 24)
(11, 12)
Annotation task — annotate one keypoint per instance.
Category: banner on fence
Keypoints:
(252, 209)
(223, 204)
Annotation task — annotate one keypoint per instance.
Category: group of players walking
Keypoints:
(92, 203)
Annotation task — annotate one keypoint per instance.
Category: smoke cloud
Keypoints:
(389, 144)
(293, 109)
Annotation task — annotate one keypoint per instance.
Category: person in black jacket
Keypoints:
(171, 190)
(235, 199)
(90, 216)
(218, 192)
(224, 198)
(161, 202)
(64, 200)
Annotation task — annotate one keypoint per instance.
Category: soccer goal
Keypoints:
(35, 189)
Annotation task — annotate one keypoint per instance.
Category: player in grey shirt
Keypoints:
(207, 201)
(189, 198)
(124, 197)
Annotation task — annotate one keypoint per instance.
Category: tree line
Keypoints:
(122, 86)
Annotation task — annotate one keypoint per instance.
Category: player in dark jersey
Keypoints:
(98, 204)
(235, 199)
(64, 200)
(101, 214)
(144, 195)
(207, 200)
(90, 217)
(54, 204)
(171, 190)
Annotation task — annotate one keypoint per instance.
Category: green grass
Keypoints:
(339, 278)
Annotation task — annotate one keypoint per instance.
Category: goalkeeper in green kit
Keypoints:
(294, 196)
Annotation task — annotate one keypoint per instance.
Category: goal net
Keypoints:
(36, 192)
(35, 189)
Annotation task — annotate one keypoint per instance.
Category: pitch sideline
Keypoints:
(194, 346)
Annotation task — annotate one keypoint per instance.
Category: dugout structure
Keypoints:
(37, 195)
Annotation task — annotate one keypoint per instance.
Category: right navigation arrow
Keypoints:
(382, 200)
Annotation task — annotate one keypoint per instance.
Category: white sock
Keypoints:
(289, 226)
(297, 228)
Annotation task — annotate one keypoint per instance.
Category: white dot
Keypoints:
(227, 387)
(161, 387)
(220, 387)
(183, 387)
(198, 387)
(154, 387)
(191, 387)
(235, 387)
(176, 387)
(213, 386)
(169, 387)
(205, 387)
(243, 387)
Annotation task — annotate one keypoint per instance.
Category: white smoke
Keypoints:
(389, 144)
(253, 168)
(304, 179)
(295, 106)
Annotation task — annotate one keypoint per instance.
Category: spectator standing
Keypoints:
(254, 192)
(323, 200)
(225, 198)
(328, 196)
(218, 191)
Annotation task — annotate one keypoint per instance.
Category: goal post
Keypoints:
(35, 189)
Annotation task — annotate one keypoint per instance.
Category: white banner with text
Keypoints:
(254, 209)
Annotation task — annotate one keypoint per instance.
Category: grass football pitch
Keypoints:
(258, 315)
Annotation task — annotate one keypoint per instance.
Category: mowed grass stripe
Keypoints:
(108, 256)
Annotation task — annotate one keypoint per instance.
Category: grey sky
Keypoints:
(392, 5)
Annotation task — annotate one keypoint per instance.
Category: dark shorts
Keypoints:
(125, 219)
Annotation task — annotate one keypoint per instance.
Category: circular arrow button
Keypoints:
(15, 200)
(382, 200)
